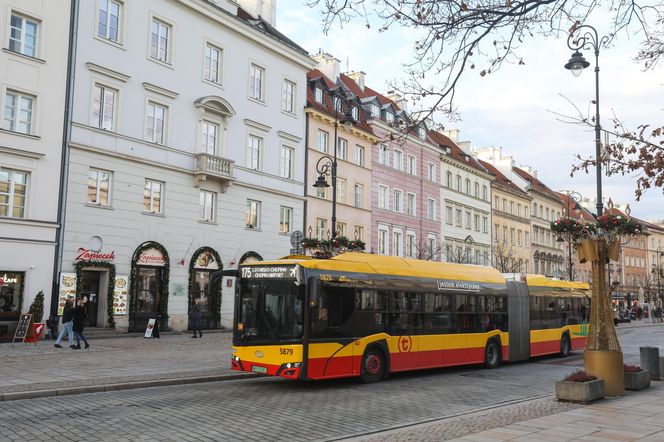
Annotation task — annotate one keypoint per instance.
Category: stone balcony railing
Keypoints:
(212, 167)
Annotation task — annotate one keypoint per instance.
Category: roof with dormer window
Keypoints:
(454, 150)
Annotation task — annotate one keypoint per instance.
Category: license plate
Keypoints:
(258, 369)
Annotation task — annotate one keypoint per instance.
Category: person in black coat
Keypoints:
(79, 323)
(196, 318)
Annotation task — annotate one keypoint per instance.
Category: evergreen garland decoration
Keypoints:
(20, 294)
(162, 304)
(216, 300)
(80, 265)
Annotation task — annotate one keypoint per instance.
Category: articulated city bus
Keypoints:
(367, 315)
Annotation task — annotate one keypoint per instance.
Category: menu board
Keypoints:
(67, 288)
(120, 295)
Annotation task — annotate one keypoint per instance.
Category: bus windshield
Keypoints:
(270, 310)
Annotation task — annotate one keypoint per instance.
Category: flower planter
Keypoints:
(637, 380)
(582, 392)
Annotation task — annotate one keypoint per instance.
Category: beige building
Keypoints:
(354, 147)
(511, 224)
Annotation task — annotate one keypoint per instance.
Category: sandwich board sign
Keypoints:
(152, 329)
(24, 328)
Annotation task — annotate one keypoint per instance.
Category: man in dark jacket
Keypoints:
(80, 316)
(67, 317)
(196, 318)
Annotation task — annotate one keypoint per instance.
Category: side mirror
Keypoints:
(314, 292)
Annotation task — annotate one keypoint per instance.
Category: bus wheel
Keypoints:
(492, 354)
(565, 345)
(373, 365)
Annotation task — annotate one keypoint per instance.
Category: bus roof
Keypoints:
(534, 280)
(394, 265)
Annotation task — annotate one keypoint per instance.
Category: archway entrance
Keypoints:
(149, 287)
(204, 262)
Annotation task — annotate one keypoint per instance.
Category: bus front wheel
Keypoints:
(373, 365)
(565, 345)
(492, 354)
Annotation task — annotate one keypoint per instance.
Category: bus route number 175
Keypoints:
(286, 351)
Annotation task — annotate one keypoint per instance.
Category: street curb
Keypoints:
(67, 391)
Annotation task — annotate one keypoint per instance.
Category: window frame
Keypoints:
(205, 137)
(151, 210)
(289, 221)
(398, 202)
(250, 152)
(18, 97)
(359, 154)
(165, 125)
(411, 164)
(383, 197)
(256, 67)
(284, 96)
(25, 18)
(106, 38)
(203, 208)
(342, 142)
(410, 212)
(100, 118)
(360, 187)
(11, 193)
(209, 46)
(397, 154)
(431, 210)
(286, 167)
(168, 61)
(97, 188)
(252, 214)
(323, 134)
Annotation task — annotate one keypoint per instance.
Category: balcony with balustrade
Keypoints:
(211, 167)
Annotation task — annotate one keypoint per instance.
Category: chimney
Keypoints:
(358, 77)
(399, 99)
(266, 9)
(452, 134)
(328, 65)
(530, 170)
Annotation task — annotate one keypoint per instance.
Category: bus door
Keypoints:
(405, 323)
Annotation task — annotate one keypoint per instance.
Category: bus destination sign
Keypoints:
(458, 285)
(269, 272)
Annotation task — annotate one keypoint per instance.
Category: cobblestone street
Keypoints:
(276, 409)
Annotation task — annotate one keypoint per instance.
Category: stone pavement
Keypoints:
(113, 361)
(637, 416)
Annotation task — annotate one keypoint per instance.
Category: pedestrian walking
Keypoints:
(80, 316)
(196, 318)
(67, 317)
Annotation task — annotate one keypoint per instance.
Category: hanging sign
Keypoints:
(151, 257)
(86, 255)
(120, 295)
(67, 288)
(206, 261)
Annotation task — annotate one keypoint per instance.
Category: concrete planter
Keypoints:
(583, 392)
(637, 381)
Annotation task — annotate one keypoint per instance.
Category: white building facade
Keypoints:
(187, 156)
(33, 72)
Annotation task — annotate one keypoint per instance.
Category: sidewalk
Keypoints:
(112, 364)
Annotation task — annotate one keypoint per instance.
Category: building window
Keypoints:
(153, 196)
(458, 183)
(99, 187)
(359, 196)
(359, 155)
(410, 244)
(358, 232)
(103, 107)
(160, 39)
(253, 214)
(355, 111)
(485, 193)
(476, 224)
(398, 160)
(23, 35)
(383, 155)
(256, 82)
(156, 126)
(449, 215)
(397, 243)
(341, 191)
(342, 229)
(431, 172)
(13, 191)
(412, 165)
(468, 220)
(322, 141)
(207, 206)
(519, 235)
(383, 203)
(410, 205)
(286, 162)
(398, 195)
(212, 64)
(448, 181)
(209, 137)
(19, 112)
(459, 220)
(342, 148)
(467, 186)
(485, 224)
(504, 234)
(431, 209)
(254, 148)
(108, 26)
(288, 97)
(512, 235)
(477, 190)
(318, 95)
(321, 228)
(285, 219)
(431, 247)
(375, 111)
(383, 246)
(389, 117)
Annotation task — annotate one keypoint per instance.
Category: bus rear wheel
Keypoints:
(373, 365)
(492, 354)
(565, 346)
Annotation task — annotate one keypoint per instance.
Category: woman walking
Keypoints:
(79, 323)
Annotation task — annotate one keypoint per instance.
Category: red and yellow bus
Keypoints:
(367, 315)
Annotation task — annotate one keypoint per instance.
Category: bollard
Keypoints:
(650, 361)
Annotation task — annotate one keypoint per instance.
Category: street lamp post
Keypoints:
(328, 164)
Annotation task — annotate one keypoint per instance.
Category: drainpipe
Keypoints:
(64, 160)
(306, 174)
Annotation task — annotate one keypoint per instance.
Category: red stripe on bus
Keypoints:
(578, 343)
(544, 348)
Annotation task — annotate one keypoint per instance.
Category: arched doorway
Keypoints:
(150, 268)
(204, 262)
(250, 257)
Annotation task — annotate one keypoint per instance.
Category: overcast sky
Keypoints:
(513, 107)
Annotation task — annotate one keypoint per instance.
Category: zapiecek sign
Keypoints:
(86, 255)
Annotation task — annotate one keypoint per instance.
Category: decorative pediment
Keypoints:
(215, 105)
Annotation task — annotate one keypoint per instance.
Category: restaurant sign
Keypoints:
(151, 257)
(86, 255)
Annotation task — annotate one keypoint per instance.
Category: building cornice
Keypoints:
(327, 119)
(107, 72)
(160, 90)
(21, 152)
(454, 162)
(498, 186)
(269, 190)
(257, 125)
